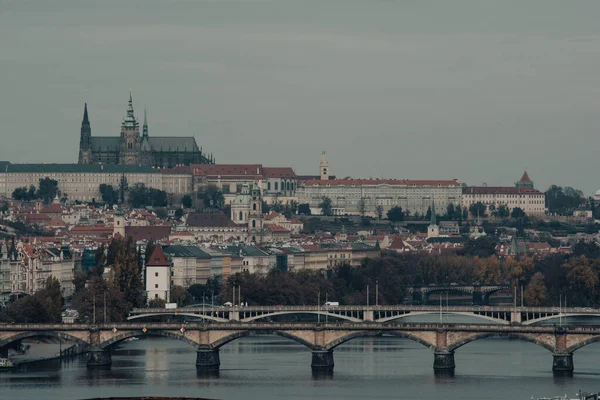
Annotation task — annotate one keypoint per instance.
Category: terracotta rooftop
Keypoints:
(525, 177)
(210, 219)
(374, 182)
(147, 233)
(158, 259)
(283, 172)
(499, 190)
(249, 170)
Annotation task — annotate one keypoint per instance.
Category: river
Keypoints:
(270, 367)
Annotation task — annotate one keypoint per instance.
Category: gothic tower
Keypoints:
(85, 142)
(145, 149)
(129, 149)
(324, 168)
(255, 215)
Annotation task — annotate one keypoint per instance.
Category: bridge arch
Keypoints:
(322, 313)
(521, 336)
(468, 314)
(153, 332)
(583, 343)
(556, 316)
(406, 335)
(207, 317)
(239, 334)
(32, 334)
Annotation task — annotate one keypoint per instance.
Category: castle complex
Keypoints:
(133, 148)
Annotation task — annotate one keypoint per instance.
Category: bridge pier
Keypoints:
(207, 359)
(322, 360)
(562, 363)
(443, 360)
(99, 358)
(368, 315)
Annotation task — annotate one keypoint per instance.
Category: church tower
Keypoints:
(324, 168)
(145, 149)
(85, 141)
(255, 215)
(433, 230)
(129, 149)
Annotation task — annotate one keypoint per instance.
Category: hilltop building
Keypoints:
(523, 195)
(132, 148)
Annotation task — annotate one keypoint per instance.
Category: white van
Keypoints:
(331, 304)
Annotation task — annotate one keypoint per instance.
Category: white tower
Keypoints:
(119, 223)
(324, 167)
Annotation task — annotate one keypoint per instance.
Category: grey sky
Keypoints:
(475, 90)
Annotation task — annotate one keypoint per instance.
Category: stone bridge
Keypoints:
(320, 339)
(360, 313)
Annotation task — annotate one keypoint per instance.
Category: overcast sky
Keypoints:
(474, 90)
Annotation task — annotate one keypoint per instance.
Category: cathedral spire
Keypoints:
(85, 114)
(129, 121)
(145, 128)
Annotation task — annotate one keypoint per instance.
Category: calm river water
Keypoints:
(270, 367)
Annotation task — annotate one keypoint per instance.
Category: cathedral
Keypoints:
(133, 148)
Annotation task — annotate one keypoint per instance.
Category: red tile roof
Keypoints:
(272, 215)
(276, 228)
(147, 233)
(374, 182)
(525, 177)
(283, 172)
(158, 259)
(212, 219)
(250, 170)
(499, 190)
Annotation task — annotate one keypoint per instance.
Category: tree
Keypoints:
(150, 246)
(110, 196)
(563, 201)
(326, 206)
(178, 214)
(211, 197)
(90, 302)
(125, 273)
(517, 212)
(379, 211)
(123, 188)
(478, 210)
(48, 189)
(180, 296)
(395, 214)
(483, 246)
(304, 209)
(157, 303)
(535, 292)
(502, 211)
(141, 196)
(451, 211)
(24, 194)
(186, 201)
(362, 206)
(428, 213)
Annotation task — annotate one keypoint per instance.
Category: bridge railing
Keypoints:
(333, 309)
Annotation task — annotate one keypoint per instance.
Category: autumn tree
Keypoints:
(100, 298)
(125, 273)
(180, 296)
(536, 293)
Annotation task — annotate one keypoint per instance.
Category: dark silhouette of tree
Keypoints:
(483, 246)
(478, 210)
(110, 196)
(326, 206)
(304, 209)
(211, 197)
(48, 190)
(24, 194)
(502, 211)
(395, 214)
(517, 212)
(186, 201)
(563, 201)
